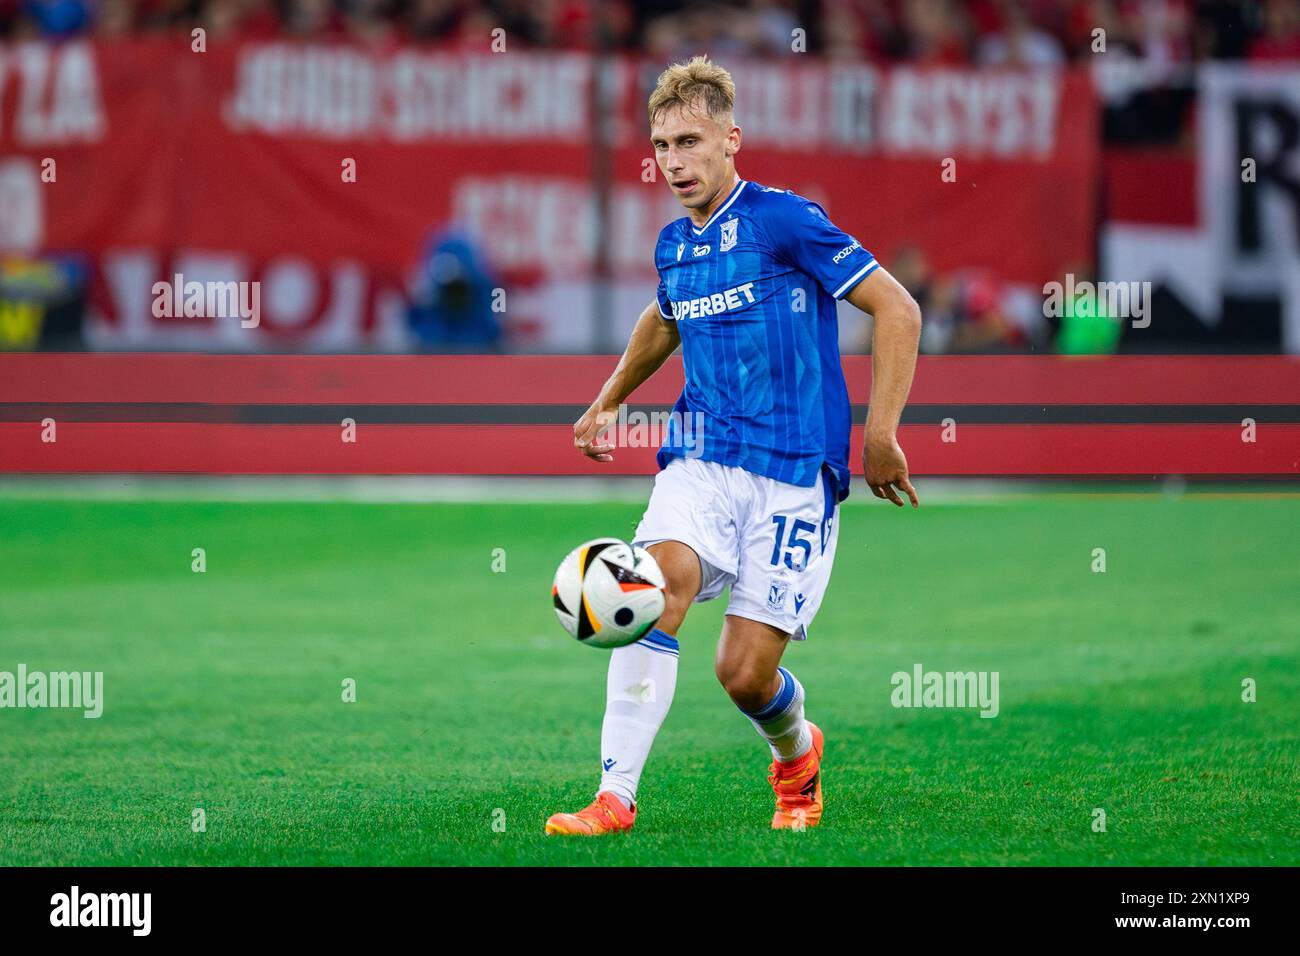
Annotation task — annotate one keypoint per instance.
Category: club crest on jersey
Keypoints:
(701, 250)
(728, 235)
(776, 595)
(681, 247)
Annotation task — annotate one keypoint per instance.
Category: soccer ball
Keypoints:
(608, 593)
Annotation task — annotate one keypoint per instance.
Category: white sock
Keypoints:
(638, 693)
(781, 721)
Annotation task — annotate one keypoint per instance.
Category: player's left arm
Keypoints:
(896, 335)
(802, 234)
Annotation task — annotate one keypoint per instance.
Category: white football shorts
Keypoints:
(772, 542)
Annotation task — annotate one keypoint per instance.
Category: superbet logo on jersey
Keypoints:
(716, 304)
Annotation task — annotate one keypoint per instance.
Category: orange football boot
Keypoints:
(798, 786)
(606, 814)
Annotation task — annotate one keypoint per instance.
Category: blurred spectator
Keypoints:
(937, 32)
(617, 23)
(153, 15)
(114, 18)
(723, 31)
(220, 18)
(845, 32)
(773, 26)
(983, 322)
(369, 21)
(519, 18)
(430, 20)
(1020, 43)
(312, 18)
(969, 310)
(1086, 327)
(1164, 29)
(1280, 38)
(1091, 21)
(1221, 28)
(911, 268)
(42, 301)
(57, 18)
(453, 296)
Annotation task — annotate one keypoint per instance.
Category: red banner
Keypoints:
(320, 171)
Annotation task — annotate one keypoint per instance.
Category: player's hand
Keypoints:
(586, 429)
(885, 466)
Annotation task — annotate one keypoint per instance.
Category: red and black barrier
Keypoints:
(1129, 416)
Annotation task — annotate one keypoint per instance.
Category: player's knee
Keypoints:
(747, 687)
(681, 582)
(676, 603)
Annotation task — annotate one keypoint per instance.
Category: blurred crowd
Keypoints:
(972, 310)
(1040, 33)
(1148, 95)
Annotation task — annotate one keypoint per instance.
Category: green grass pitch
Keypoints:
(1119, 690)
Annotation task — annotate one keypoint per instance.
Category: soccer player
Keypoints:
(755, 461)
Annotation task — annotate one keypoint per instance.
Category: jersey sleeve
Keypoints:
(665, 307)
(806, 238)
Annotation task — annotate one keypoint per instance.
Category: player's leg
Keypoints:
(639, 690)
(748, 666)
(787, 550)
(643, 677)
(686, 539)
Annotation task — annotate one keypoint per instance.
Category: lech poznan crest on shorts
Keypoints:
(728, 235)
(776, 595)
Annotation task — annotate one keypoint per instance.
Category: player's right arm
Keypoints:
(653, 340)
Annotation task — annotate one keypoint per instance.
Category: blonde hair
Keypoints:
(697, 80)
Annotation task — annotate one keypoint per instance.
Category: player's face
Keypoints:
(696, 154)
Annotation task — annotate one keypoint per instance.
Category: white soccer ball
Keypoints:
(608, 593)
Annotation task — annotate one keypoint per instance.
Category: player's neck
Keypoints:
(700, 216)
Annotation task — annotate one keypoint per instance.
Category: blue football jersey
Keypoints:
(753, 294)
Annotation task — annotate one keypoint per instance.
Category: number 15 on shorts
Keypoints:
(795, 550)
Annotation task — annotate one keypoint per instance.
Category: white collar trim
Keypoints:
(723, 208)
